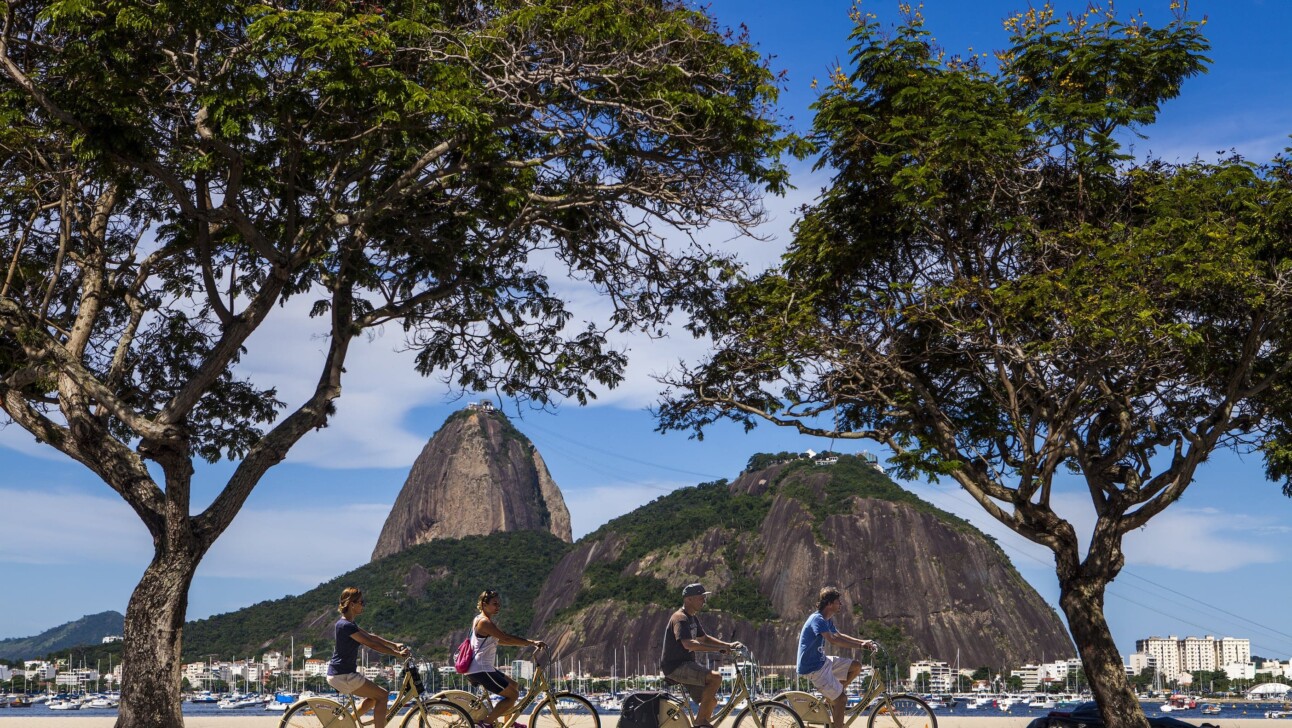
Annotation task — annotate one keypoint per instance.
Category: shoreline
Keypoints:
(271, 721)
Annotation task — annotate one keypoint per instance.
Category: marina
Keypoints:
(989, 708)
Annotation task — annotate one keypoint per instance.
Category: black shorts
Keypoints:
(495, 682)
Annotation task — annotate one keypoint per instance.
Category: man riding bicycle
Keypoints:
(828, 673)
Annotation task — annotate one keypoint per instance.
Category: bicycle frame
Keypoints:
(875, 691)
(538, 685)
(410, 693)
(739, 691)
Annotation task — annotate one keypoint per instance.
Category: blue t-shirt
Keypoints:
(812, 643)
(345, 657)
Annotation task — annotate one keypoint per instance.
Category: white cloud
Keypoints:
(299, 546)
(58, 526)
(1202, 540)
(381, 387)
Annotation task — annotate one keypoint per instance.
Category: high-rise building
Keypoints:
(1233, 651)
(1165, 653)
(1172, 655)
(1198, 653)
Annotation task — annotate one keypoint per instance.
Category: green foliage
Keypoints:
(173, 172)
(763, 460)
(80, 635)
(995, 290)
(667, 521)
(682, 515)
(514, 563)
(852, 477)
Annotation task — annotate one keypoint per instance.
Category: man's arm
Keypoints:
(839, 639)
(708, 643)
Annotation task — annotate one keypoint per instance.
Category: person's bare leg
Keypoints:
(709, 700)
(509, 696)
(837, 707)
(853, 671)
(374, 699)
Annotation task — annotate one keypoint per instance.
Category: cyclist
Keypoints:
(342, 670)
(828, 673)
(485, 638)
(684, 637)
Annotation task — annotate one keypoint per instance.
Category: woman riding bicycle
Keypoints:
(342, 670)
(485, 638)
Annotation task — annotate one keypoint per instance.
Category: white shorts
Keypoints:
(829, 678)
(347, 683)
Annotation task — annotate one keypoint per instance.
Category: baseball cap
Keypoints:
(694, 590)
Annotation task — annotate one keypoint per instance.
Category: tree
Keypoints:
(995, 290)
(175, 174)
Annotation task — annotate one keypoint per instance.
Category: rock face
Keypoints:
(476, 476)
(912, 576)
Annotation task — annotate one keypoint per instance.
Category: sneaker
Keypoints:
(484, 724)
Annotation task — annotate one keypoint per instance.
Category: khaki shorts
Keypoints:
(829, 679)
(692, 677)
(347, 683)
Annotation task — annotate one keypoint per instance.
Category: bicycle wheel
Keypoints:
(901, 711)
(768, 714)
(436, 714)
(564, 710)
(316, 713)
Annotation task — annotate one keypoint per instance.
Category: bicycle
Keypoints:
(886, 710)
(424, 712)
(756, 713)
(555, 710)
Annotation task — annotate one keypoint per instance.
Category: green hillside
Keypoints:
(455, 571)
(452, 572)
(88, 630)
(687, 512)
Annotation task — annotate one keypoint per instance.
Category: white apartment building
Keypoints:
(1236, 671)
(1173, 656)
(195, 673)
(40, 670)
(315, 667)
(1275, 668)
(941, 677)
(5, 673)
(1232, 650)
(1198, 653)
(1165, 651)
(76, 679)
(1139, 661)
(274, 660)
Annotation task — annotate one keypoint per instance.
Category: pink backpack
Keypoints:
(465, 657)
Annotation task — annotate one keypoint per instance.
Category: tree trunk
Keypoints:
(1082, 601)
(150, 660)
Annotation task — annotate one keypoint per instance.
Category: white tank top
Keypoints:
(485, 649)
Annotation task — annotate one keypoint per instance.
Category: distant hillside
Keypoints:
(918, 578)
(424, 596)
(88, 630)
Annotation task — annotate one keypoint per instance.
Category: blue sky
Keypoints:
(1216, 563)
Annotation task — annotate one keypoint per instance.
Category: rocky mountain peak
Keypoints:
(477, 475)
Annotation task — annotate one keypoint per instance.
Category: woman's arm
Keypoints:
(487, 628)
(380, 644)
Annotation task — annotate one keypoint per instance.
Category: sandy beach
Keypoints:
(271, 721)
